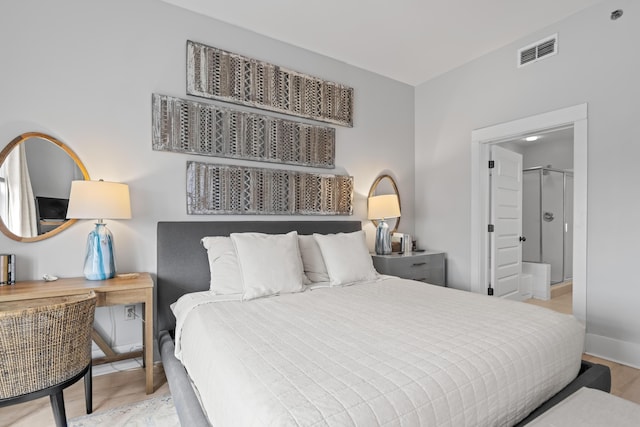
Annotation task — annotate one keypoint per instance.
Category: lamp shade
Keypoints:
(384, 206)
(99, 200)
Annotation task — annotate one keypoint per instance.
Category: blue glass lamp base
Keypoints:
(383, 238)
(99, 263)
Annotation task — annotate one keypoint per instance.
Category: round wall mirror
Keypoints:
(385, 184)
(36, 171)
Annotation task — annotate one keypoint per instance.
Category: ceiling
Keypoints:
(410, 41)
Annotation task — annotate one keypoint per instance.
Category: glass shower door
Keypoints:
(531, 248)
(553, 224)
(568, 231)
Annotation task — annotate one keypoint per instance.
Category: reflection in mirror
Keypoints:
(36, 171)
(385, 184)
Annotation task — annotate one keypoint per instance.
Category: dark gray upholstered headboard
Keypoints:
(183, 266)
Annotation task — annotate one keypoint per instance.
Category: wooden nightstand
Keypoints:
(116, 291)
(427, 266)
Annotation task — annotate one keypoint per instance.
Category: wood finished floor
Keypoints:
(625, 380)
(121, 388)
(109, 391)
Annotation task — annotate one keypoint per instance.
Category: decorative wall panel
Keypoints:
(184, 126)
(222, 189)
(218, 74)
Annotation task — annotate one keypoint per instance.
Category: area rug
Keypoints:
(156, 412)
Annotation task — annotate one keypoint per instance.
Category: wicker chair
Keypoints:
(45, 346)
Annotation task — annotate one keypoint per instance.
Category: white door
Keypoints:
(506, 218)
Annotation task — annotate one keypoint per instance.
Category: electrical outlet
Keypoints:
(129, 312)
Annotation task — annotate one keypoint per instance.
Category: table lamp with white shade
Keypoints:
(99, 200)
(381, 208)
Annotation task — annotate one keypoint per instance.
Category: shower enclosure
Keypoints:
(547, 220)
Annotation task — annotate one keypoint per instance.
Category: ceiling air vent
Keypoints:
(539, 50)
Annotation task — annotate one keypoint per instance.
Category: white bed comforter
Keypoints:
(392, 352)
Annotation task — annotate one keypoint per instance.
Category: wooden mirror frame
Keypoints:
(3, 156)
(372, 191)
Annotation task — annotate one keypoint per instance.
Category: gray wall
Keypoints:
(595, 65)
(84, 71)
(558, 154)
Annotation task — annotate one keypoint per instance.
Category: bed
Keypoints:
(384, 351)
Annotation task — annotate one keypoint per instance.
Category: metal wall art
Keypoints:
(222, 189)
(185, 126)
(218, 74)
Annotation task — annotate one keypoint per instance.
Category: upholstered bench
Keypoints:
(589, 407)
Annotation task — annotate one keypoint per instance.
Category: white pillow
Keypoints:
(223, 264)
(312, 260)
(347, 257)
(269, 263)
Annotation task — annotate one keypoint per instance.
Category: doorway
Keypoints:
(547, 203)
(482, 139)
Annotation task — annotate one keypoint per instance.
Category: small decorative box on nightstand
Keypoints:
(427, 266)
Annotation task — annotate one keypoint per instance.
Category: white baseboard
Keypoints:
(122, 365)
(625, 352)
(96, 352)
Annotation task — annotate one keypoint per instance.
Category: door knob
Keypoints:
(523, 239)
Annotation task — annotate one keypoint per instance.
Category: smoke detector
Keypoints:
(537, 51)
